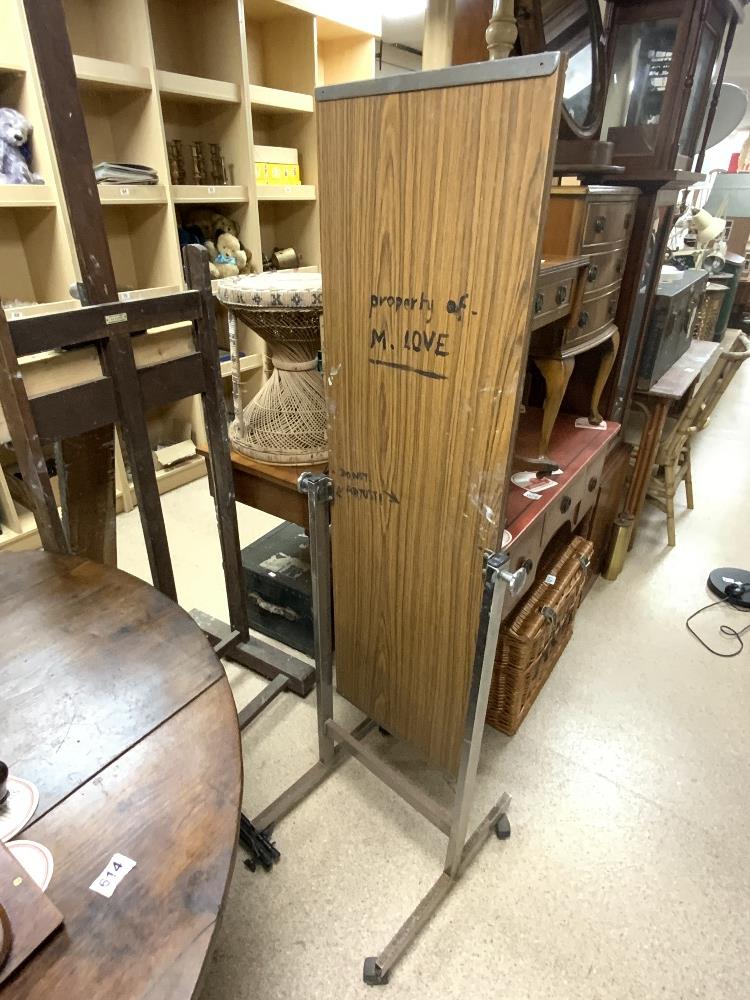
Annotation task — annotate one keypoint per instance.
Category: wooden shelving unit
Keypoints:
(231, 72)
(36, 259)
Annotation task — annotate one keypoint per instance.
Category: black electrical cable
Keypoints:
(724, 629)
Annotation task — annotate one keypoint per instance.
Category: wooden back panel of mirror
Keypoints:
(436, 197)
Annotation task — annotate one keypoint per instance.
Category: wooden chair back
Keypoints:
(121, 393)
(699, 408)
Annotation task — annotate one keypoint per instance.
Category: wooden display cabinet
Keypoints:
(666, 60)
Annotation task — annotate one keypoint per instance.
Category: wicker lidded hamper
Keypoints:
(532, 640)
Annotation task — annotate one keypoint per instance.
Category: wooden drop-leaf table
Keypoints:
(116, 707)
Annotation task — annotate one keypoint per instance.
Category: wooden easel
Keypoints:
(87, 414)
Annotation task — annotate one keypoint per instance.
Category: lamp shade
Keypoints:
(707, 226)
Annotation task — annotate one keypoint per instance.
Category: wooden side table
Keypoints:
(270, 488)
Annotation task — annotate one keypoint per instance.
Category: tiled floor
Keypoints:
(626, 875)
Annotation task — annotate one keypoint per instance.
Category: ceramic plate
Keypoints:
(35, 858)
(18, 808)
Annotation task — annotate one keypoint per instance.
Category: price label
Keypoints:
(16, 314)
(211, 189)
(124, 192)
(124, 296)
(106, 883)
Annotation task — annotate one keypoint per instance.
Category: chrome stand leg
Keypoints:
(318, 490)
(460, 851)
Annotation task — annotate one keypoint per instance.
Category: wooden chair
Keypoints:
(673, 459)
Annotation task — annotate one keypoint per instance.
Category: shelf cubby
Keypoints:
(35, 266)
(123, 127)
(197, 39)
(207, 122)
(280, 46)
(290, 224)
(109, 30)
(141, 242)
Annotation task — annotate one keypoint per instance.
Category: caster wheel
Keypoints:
(502, 828)
(372, 975)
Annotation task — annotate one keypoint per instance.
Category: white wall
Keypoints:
(717, 158)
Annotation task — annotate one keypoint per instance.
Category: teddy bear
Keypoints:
(15, 133)
(220, 236)
(224, 264)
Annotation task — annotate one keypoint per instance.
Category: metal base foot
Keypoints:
(258, 844)
(372, 974)
(257, 655)
(502, 827)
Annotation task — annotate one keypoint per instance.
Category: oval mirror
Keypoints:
(575, 28)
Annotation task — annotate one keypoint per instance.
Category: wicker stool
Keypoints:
(285, 423)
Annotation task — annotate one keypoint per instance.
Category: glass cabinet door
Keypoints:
(638, 83)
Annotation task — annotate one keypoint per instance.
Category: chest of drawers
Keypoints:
(589, 226)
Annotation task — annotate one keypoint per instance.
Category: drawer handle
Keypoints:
(593, 483)
(600, 223)
(538, 302)
(593, 272)
(562, 295)
(583, 320)
(565, 504)
(627, 220)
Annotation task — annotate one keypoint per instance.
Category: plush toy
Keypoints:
(211, 224)
(220, 236)
(224, 263)
(230, 247)
(15, 132)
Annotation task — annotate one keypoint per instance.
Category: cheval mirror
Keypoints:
(575, 28)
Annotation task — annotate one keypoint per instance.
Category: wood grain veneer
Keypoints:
(435, 198)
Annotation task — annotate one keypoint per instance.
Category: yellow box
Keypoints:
(291, 173)
(261, 173)
(283, 173)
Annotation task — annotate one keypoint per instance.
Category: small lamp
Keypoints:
(707, 227)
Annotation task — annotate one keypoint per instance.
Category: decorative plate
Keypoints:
(35, 858)
(19, 807)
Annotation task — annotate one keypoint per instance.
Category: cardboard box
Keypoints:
(276, 165)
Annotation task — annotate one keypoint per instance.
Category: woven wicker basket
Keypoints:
(532, 640)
